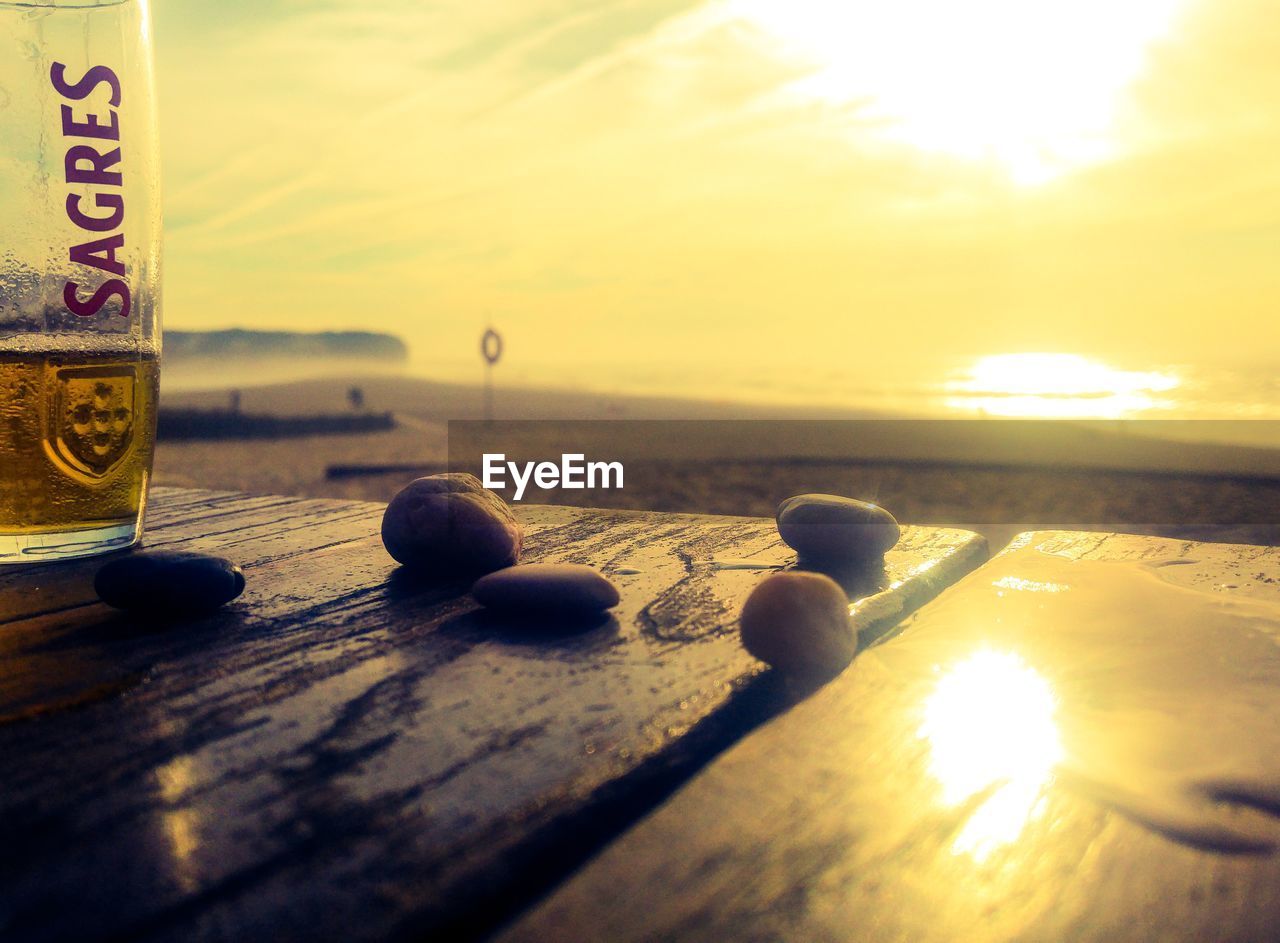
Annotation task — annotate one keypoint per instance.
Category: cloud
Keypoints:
(638, 175)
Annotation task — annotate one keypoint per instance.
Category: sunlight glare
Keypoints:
(1032, 86)
(1051, 386)
(991, 722)
(181, 822)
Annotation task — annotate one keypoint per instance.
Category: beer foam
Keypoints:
(91, 343)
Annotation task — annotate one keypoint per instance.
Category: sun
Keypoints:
(1032, 86)
(1057, 386)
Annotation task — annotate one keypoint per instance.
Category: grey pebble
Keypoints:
(827, 528)
(546, 589)
(451, 523)
(169, 582)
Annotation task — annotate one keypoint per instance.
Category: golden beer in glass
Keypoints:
(79, 276)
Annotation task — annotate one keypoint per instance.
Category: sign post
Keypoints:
(491, 350)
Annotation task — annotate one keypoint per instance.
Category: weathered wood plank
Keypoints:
(922, 795)
(351, 754)
(217, 519)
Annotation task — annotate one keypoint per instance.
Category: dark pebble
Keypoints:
(827, 528)
(451, 523)
(169, 582)
(546, 588)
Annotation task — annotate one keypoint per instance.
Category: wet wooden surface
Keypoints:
(345, 753)
(825, 824)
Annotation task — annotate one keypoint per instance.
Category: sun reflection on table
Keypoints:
(990, 725)
(181, 823)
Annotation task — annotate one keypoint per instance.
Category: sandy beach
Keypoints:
(949, 487)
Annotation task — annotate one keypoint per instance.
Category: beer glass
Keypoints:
(79, 276)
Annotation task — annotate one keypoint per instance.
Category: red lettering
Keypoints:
(101, 253)
(87, 165)
(81, 90)
(87, 309)
(98, 174)
(112, 201)
(89, 128)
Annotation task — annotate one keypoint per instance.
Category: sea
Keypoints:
(1237, 403)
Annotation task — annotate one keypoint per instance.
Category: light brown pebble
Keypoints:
(799, 623)
(546, 588)
(451, 523)
(830, 529)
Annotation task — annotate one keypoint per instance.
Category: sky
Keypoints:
(798, 183)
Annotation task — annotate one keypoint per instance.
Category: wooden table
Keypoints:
(832, 822)
(348, 753)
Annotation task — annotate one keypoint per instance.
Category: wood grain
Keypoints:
(348, 753)
(824, 825)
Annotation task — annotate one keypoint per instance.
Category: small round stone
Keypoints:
(827, 528)
(451, 523)
(799, 624)
(169, 582)
(546, 589)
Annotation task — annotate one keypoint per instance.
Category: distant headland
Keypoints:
(284, 345)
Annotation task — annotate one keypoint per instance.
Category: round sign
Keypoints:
(491, 346)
